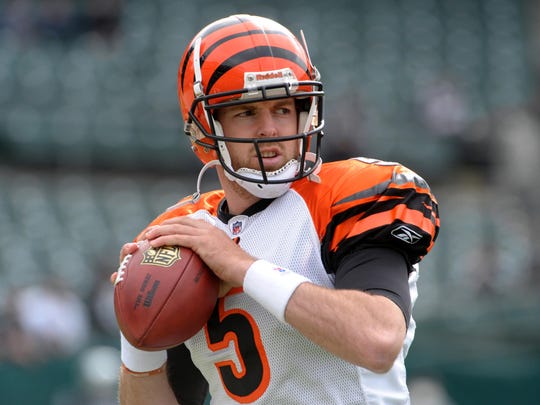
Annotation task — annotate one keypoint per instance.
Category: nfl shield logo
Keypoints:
(164, 256)
(236, 227)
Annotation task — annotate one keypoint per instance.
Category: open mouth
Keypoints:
(272, 159)
(269, 154)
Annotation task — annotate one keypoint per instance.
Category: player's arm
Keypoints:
(163, 377)
(147, 390)
(364, 319)
(354, 321)
(143, 377)
(363, 329)
(382, 218)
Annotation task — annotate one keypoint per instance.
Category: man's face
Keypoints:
(263, 120)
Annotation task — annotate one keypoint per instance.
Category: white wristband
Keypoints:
(140, 361)
(272, 286)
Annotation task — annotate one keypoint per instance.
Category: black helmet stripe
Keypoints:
(204, 33)
(237, 35)
(218, 43)
(184, 66)
(250, 54)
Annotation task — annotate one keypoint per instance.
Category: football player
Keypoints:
(317, 261)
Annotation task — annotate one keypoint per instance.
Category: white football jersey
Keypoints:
(249, 356)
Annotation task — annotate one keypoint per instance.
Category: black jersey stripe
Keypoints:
(402, 197)
(371, 208)
(415, 204)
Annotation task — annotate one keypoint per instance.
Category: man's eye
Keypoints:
(244, 113)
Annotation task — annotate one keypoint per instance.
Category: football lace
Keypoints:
(122, 269)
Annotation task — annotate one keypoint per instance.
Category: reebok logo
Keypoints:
(406, 234)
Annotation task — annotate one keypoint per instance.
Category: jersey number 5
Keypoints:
(247, 383)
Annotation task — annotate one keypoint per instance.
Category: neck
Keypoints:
(238, 199)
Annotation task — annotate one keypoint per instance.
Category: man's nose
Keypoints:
(267, 124)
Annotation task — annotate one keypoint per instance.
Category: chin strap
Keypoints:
(197, 194)
(252, 181)
(272, 193)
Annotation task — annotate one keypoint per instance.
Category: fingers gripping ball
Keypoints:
(163, 296)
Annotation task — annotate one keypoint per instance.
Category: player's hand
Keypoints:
(127, 249)
(130, 248)
(223, 255)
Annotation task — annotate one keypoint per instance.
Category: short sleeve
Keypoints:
(388, 206)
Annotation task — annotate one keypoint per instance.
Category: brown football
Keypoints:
(163, 296)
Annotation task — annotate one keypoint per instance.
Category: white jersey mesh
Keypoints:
(300, 371)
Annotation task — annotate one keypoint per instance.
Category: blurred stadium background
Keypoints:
(91, 148)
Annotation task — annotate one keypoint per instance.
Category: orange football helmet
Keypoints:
(244, 59)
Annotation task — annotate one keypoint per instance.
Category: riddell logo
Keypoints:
(285, 75)
(269, 75)
(406, 234)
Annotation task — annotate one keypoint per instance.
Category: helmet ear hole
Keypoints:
(194, 132)
(200, 145)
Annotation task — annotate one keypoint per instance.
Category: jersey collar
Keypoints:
(223, 209)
